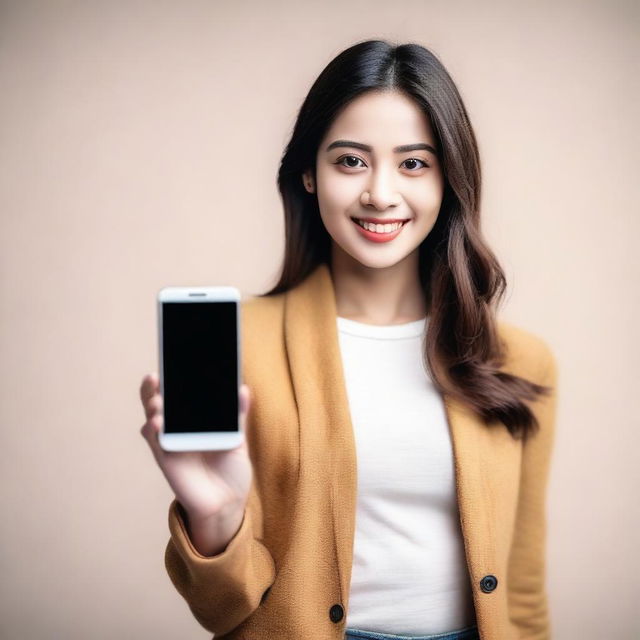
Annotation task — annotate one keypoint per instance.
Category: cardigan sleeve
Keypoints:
(527, 596)
(225, 589)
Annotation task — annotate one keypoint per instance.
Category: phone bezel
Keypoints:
(204, 440)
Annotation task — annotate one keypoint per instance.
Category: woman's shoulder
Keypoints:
(262, 322)
(262, 309)
(527, 353)
(264, 359)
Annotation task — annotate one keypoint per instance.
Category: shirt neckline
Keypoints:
(385, 332)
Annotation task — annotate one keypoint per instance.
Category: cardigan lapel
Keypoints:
(327, 443)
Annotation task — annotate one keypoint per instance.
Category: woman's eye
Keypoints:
(414, 160)
(353, 161)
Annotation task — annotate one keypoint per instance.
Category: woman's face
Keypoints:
(362, 175)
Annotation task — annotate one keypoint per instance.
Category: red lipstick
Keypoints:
(374, 236)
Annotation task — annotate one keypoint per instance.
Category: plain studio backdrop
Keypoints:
(139, 145)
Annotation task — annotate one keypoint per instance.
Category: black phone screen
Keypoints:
(200, 366)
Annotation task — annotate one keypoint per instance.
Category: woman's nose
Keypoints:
(380, 191)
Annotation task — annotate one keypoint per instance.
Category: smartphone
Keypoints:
(200, 377)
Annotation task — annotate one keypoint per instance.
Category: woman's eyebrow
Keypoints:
(365, 147)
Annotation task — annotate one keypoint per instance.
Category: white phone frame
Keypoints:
(204, 440)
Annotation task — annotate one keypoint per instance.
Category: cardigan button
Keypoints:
(336, 613)
(488, 583)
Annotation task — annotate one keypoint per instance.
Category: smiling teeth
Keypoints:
(380, 228)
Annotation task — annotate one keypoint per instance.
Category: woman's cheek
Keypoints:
(339, 193)
(427, 199)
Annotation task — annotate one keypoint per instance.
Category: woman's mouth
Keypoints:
(378, 231)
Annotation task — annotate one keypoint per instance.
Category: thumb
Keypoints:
(244, 395)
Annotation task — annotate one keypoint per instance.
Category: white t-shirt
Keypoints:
(409, 573)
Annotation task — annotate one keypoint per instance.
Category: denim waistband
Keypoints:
(468, 633)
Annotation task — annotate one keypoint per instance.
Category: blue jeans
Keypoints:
(468, 633)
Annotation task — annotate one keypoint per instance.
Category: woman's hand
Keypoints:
(212, 486)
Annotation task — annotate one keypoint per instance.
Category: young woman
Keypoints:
(398, 438)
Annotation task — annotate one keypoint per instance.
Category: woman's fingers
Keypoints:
(152, 403)
(150, 430)
(153, 406)
(150, 396)
(150, 386)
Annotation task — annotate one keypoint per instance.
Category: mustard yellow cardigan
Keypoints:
(286, 573)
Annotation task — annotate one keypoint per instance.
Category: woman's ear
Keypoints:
(307, 180)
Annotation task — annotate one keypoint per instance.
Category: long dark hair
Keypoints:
(461, 278)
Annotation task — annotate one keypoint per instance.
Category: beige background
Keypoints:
(139, 144)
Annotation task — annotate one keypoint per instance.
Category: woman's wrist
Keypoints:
(211, 535)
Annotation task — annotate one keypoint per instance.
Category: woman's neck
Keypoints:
(379, 296)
